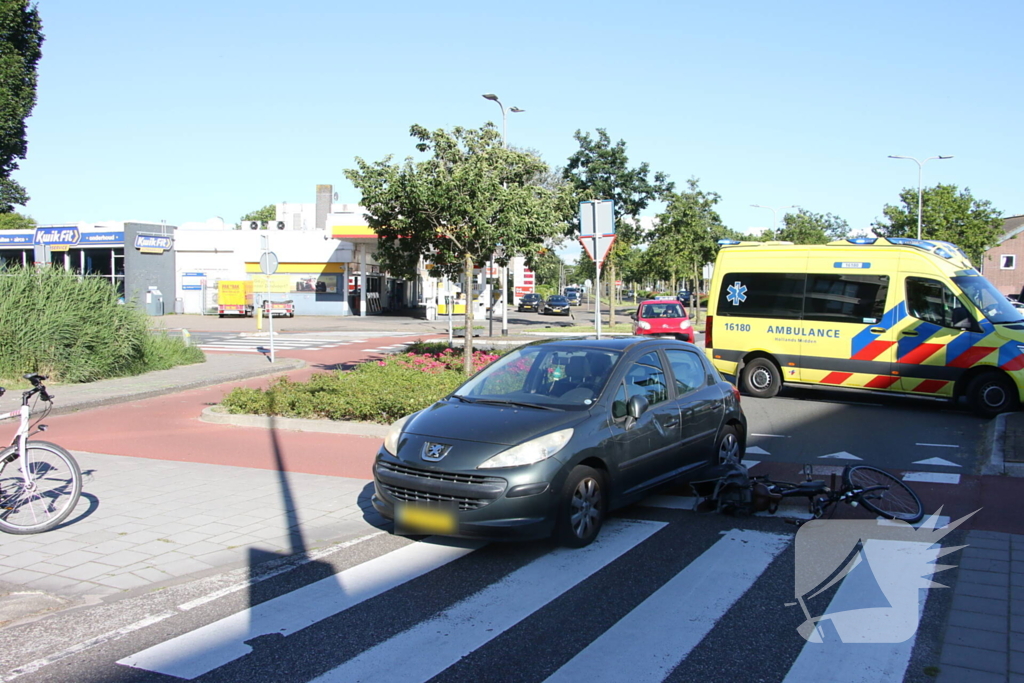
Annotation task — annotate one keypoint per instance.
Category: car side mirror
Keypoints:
(632, 316)
(637, 406)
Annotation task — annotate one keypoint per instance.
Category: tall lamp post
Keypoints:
(504, 269)
(920, 170)
(774, 210)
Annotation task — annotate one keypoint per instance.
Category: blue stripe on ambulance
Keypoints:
(907, 344)
(866, 336)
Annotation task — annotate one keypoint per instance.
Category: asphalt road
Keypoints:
(665, 594)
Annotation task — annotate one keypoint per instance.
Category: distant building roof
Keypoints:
(1012, 226)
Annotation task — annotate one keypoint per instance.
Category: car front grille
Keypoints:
(413, 485)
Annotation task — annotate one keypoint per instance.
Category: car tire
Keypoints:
(728, 447)
(992, 393)
(582, 507)
(760, 378)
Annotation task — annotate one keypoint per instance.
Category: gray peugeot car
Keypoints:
(552, 436)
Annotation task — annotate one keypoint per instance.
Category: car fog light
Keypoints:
(526, 490)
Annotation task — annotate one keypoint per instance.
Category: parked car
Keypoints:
(574, 298)
(685, 296)
(530, 302)
(554, 435)
(556, 304)
(662, 317)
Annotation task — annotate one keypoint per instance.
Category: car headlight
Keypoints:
(391, 440)
(643, 325)
(684, 324)
(541, 448)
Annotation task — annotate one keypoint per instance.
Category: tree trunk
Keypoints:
(695, 292)
(467, 348)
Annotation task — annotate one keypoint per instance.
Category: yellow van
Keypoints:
(884, 314)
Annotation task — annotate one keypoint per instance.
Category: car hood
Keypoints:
(486, 423)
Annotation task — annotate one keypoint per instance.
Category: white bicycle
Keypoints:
(40, 482)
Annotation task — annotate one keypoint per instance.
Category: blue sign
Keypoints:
(60, 236)
(192, 287)
(114, 238)
(156, 243)
(10, 240)
(851, 264)
(193, 274)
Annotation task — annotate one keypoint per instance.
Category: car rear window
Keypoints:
(662, 310)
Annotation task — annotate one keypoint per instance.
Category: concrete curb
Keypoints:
(216, 415)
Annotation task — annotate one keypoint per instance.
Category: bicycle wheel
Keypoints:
(895, 501)
(43, 499)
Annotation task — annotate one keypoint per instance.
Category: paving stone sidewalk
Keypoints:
(984, 639)
(146, 523)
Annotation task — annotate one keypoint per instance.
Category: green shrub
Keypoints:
(377, 391)
(73, 329)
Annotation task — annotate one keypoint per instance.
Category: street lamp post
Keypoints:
(920, 171)
(774, 210)
(504, 269)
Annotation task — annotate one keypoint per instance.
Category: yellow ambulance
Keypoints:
(884, 314)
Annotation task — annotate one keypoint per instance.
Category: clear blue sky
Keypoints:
(181, 111)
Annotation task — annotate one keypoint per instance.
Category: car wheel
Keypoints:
(582, 507)
(991, 393)
(728, 448)
(760, 378)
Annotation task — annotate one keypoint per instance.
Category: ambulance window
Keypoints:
(762, 295)
(931, 301)
(846, 298)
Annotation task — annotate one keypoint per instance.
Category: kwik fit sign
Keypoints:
(153, 244)
(58, 237)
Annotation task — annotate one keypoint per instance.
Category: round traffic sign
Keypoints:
(268, 263)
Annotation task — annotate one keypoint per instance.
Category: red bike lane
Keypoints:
(169, 427)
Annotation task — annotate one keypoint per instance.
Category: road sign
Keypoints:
(604, 245)
(597, 217)
(268, 263)
(618, 283)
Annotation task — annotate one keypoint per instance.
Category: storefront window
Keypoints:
(325, 284)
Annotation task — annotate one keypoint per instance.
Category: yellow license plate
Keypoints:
(426, 520)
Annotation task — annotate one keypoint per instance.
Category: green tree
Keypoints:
(686, 236)
(600, 170)
(264, 216)
(547, 267)
(456, 207)
(21, 41)
(16, 221)
(806, 227)
(948, 214)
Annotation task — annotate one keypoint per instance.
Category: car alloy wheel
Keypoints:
(583, 506)
(729, 449)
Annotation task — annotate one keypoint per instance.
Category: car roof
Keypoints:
(607, 343)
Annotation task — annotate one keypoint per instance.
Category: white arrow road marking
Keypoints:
(939, 445)
(754, 450)
(750, 463)
(430, 647)
(771, 436)
(841, 455)
(932, 477)
(650, 641)
(200, 651)
(938, 462)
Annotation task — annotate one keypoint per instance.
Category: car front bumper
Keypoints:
(527, 517)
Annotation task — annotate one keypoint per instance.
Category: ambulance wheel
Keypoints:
(991, 393)
(760, 378)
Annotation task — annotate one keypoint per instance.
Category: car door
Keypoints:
(640, 445)
(701, 408)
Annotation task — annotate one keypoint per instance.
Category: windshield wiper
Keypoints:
(464, 399)
(519, 404)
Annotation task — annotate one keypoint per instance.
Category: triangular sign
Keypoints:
(604, 245)
(841, 455)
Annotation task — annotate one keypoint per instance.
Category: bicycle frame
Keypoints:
(21, 436)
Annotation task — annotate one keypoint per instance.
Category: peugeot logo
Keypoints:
(432, 452)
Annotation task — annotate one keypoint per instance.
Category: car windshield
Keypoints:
(531, 297)
(557, 300)
(546, 376)
(662, 310)
(996, 307)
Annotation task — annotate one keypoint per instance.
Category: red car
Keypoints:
(662, 317)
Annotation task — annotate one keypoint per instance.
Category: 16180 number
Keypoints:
(737, 327)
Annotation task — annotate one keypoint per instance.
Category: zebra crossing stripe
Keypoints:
(656, 636)
(432, 646)
(200, 651)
